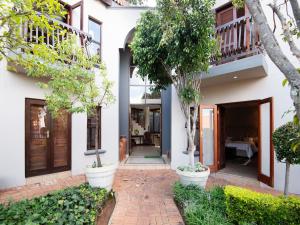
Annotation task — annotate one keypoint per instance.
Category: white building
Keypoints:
(243, 101)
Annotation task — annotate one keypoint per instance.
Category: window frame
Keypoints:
(90, 18)
(89, 138)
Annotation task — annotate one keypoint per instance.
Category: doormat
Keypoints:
(151, 156)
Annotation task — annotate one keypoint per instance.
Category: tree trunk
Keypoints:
(191, 130)
(296, 11)
(273, 49)
(287, 178)
(99, 164)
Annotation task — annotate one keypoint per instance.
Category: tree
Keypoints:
(16, 13)
(291, 30)
(74, 81)
(284, 138)
(173, 45)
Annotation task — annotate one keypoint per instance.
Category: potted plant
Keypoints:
(98, 174)
(286, 140)
(177, 53)
(76, 83)
(196, 175)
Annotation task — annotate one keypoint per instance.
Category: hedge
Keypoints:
(248, 207)
(76, 205)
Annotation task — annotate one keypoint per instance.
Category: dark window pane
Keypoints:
(91, 129)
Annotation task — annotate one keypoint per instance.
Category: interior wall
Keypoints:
(241, 122)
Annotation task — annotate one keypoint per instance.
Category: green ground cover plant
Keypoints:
(232, 205)
(200, 207)
(76, 205)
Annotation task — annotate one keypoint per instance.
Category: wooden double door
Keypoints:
(212, 143)
(47, 140)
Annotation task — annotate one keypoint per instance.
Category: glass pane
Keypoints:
(95, 30)
(91, 131)
(136, 79)
(265, 138)
(76, 17)
(137, 95)
(94, 49)
(208, 136)
(38, 140)
(152, 94)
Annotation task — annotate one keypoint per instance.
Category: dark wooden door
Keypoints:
(47, 140)
(60, 139)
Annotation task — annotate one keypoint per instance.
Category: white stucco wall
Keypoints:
(235, 91)
(14, 88)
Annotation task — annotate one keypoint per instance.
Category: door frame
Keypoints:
(50, 167)
(260, 177)
(213, 167)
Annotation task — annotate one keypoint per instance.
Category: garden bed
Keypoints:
(76, 205)
(234, 205)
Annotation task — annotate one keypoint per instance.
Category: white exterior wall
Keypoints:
(14, 88)
(243, 90)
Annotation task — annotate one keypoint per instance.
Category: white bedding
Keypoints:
(244, 149)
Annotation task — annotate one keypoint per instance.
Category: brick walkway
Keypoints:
(39, 189)
(144, 197)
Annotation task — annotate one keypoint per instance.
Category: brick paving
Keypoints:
(144, 197)
(39, 188)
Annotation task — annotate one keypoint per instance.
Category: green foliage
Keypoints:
(286, 143)
(75, 84)
(173, 44)
(14, 13)
(248, 207)
(197, 168)
(201, 207)
(238, 3)
(77, 205)
(174, 40)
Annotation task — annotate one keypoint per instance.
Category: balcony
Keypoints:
(39, 35)
(237, 39)
(240, 53)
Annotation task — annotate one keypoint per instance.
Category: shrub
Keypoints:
(76, 205)
(200, 207)
(248, 207)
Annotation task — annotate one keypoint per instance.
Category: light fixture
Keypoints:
(235, 77)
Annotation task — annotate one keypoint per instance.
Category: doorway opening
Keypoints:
(145, 121)
(236, 138)
(145, 132)
(239, 130)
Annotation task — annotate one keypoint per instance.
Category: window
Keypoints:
(95, 32)
(91, 129)
(142, 91)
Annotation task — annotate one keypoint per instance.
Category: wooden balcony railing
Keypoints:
(39, 35)
(237, 39)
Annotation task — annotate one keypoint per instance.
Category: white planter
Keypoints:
(102, 177)
(195, 178)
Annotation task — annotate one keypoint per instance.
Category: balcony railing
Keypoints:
(237, 39)
(39, 35)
